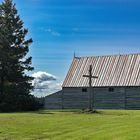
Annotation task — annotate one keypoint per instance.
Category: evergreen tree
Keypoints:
(15, 84)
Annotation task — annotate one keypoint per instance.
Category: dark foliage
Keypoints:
(12, 103)
(15, 84)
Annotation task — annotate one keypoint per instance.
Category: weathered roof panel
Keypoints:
(115, 70)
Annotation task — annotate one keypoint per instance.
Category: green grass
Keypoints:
(70, 125)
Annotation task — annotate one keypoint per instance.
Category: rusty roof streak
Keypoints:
(136, 70)
(115, 70)
(74, 71)
(121, 77)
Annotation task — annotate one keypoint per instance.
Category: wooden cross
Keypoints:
(90, 76)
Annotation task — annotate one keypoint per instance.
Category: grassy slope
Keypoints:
(56, 125)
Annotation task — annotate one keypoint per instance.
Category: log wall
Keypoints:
(54, 101)
(74, 98)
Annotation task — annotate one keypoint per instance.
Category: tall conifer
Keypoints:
(15, 84)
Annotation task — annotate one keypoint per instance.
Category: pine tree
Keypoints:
(15, 84)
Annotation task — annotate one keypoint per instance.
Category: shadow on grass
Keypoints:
(52, 111)
(43, 112)
(67, 110)
(85, 111)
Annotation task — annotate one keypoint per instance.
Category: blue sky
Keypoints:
(88, 27)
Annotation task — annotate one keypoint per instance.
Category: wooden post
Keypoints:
(62, 100)
(91, 106)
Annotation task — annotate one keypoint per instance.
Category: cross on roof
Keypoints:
(90, 76)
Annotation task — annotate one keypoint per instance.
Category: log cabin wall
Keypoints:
(53, 101)
(103, 98)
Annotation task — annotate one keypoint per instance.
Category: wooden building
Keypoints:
(117, 85)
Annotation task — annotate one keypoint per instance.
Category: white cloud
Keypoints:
(52, 32)
(44, 83)
(44, 76)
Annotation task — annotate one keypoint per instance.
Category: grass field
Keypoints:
(70, 125)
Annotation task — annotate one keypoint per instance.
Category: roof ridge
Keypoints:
(78, 57)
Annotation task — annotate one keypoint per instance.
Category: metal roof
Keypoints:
(115, 70)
